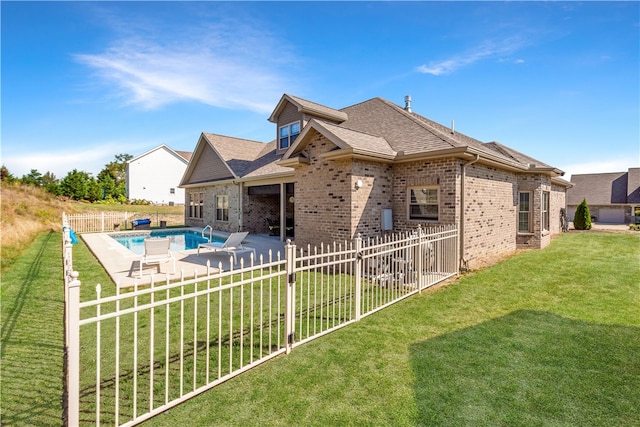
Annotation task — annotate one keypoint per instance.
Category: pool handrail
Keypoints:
(210, 232)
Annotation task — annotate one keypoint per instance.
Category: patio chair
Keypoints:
(274, 228)
(231, 245)
(156, 251)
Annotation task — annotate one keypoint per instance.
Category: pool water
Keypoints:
(180, 239)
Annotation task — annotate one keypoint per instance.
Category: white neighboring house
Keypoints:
(156, 174)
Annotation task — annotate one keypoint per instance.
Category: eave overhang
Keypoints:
(293, 161)
(354, 153)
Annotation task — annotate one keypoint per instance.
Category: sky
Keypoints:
(84, 81)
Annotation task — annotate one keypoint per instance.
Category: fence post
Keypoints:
(421, 253)
(358, 275)
(290, 305)
(72, 351)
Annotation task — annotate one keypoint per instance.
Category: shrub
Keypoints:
(582, 217)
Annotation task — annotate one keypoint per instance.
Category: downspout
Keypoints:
(241, 207)
(464, 264)
(283, 212)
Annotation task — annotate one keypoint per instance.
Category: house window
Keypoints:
(172, 191)
(545, 211)
(524, 212)
(423, 203)
(288, 134)
(222, 208)
(196, 202)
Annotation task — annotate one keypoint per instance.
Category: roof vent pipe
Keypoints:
(453, 127)
(407, 103)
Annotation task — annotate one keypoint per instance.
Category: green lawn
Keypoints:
(547, 337)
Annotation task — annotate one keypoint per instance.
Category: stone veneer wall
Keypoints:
(209, 208)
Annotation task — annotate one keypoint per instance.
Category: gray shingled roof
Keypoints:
(598, 188)
(246, 157)
(361, 142)
(375, 127)
(411, 133)
(185, 154)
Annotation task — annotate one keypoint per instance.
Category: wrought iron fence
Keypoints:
(132, 355)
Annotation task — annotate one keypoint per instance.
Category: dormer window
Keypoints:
(288, 134)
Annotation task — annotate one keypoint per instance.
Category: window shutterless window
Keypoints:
(545, 210)
(196, 203)
(423, 203)
(172, 191)
(288, 134)
(524, 212)
(222, 208)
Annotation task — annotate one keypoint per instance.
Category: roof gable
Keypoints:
(206, 164)
(308, 107)
(219, 157)
(349, 141)
(163, 147)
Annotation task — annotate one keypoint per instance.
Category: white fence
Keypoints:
(133, 355)
(100, 222)
(92, 222)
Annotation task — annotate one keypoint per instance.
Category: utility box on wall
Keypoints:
(387, 220)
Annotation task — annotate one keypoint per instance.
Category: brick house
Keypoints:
(373, 168)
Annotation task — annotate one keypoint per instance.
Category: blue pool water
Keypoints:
(180, 239)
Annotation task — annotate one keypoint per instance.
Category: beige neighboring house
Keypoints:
(613, 198)
(372, 168)
(155, 175)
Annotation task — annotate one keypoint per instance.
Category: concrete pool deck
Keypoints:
(123, 266)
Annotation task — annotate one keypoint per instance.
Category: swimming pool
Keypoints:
(181, 240)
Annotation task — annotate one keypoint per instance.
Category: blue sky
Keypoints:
(84, 81)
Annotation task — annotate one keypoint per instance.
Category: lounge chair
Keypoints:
(156, 251)
(231, 245)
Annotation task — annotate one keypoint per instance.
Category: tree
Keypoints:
(77, 185)
(113, 178)
(33, 178)
(582, 217)
(6, 176)
(50, 183)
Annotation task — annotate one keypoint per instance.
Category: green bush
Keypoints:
(582, 217)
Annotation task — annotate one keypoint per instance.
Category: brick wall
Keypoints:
(442, 173)
(368, 202)
(323, 196)
(257, 209)
(491, 215)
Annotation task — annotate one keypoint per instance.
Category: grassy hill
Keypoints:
(26, 212)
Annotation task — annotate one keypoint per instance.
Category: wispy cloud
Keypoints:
(487, 50)
(228, 66)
